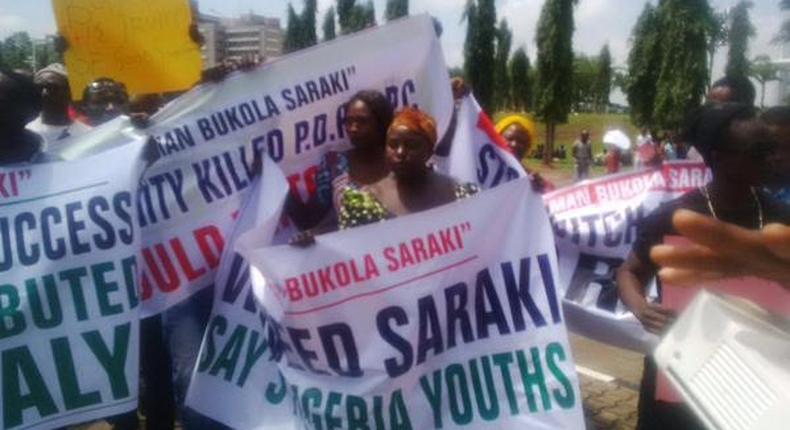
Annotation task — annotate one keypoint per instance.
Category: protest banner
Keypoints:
(595, 225)
(235, 381)
(69, 307)
(477, 153)
(149, 49)
(448, 318)
(292, 109)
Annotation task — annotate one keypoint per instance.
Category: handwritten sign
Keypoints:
(147, 48)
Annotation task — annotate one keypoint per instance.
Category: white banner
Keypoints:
(477, 153)
(235, 381)
(595, 225)
(69, 306)
(448, 318)
(292, 109)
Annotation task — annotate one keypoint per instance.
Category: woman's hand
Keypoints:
(654, 317)
(303, 239)
(722, 250)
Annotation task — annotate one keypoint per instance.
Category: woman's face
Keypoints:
(361, 125)
(517, 140)
(407, 152)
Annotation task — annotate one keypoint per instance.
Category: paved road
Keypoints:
(609, 383)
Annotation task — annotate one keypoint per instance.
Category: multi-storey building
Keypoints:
(249, 35)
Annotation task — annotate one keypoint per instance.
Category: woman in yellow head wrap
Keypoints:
(520, 134)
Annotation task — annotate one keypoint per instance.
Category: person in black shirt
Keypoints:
(20, 102)
(755, 253)
(735, 145)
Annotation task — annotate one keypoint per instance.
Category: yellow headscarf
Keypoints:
(524, 122)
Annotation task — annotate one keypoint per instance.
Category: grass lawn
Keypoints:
(561, 172)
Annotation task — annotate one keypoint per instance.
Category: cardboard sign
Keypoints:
(146, 46)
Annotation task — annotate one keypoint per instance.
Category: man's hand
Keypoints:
(722, 250)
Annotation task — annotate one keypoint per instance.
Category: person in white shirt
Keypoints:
(644, 138)
(54, 124)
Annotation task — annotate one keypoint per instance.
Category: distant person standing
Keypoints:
(582, 154)
(644, 143)
(613, 161)
(55, 124)
(669, 150)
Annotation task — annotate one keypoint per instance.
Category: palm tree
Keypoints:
(764, 71)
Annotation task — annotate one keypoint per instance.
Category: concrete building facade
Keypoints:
(249, 35)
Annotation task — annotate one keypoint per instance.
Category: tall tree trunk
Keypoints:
(762, 95)
(548, 148)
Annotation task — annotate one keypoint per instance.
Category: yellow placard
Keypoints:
(143, 43)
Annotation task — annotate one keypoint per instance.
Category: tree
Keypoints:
(293, 32)
(18, 51)
(329, 24)
(355, 17)
(396, 9)
(504, 40)
(764, 71)
(684, 67)
(479, 50)
(307, 24)
(644, 62)
(345, 15)
(554, 38)
(368, 14)
(585, 74)
(603, 79)
(300, 30)
(521, 81)
(741, 30)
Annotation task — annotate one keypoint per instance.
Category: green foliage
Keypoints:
(300, 31)
(16, 52)
(554, 90)
(504, 41)
(585, 72)
(644, 62)
(603, 79)
(354, 17)
(683, 77)
(741, 30)
(396, 9)
(329, 24)
(521, 80)
(293, 30)
(479, 50)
